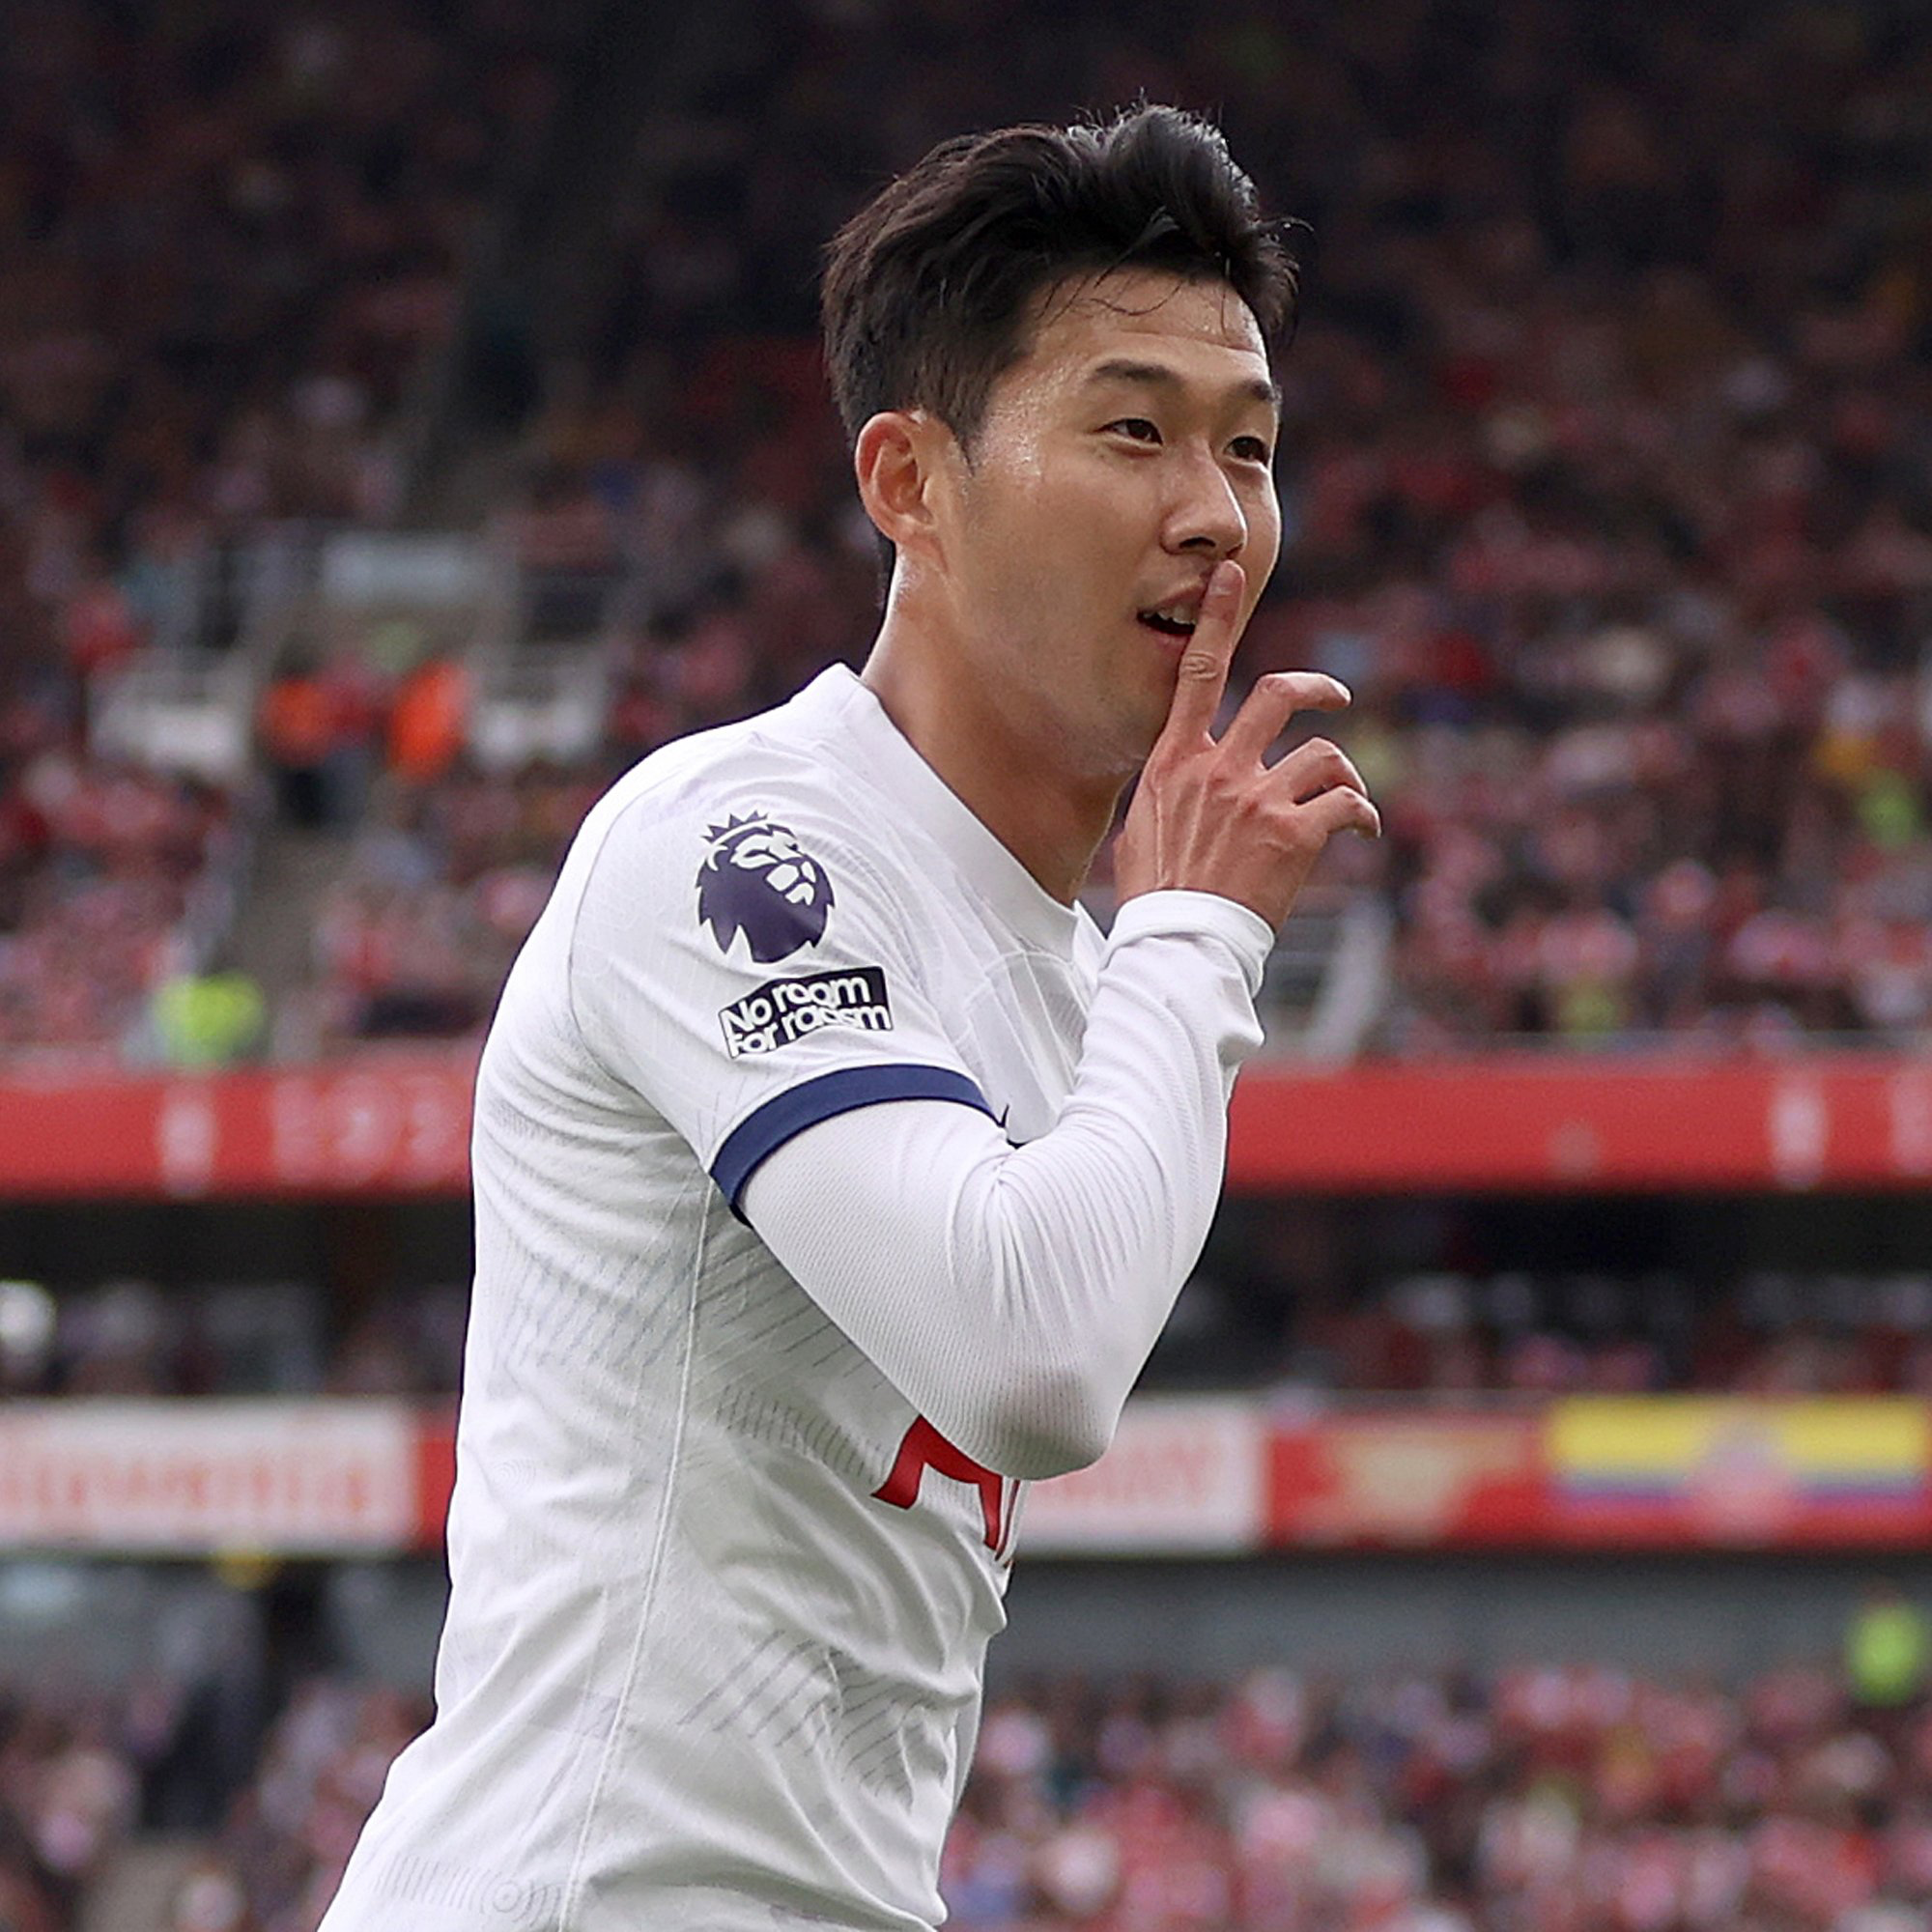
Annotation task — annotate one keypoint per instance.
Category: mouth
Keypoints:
(1173, 620)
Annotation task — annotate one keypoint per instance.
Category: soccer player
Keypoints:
(834, 1175)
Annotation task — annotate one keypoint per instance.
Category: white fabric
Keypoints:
(721, 1594)
(1047, 1272)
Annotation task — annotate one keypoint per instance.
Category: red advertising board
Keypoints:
(1221, 1476)
(400, 1126)
(1405, 1478)
(181, 1478)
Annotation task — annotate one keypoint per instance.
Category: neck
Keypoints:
(1012, 773)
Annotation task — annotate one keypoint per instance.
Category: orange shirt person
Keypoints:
(428, 720)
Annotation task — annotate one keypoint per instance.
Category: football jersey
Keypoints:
(721, 1596)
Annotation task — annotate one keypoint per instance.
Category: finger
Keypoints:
(1316, 767)
(1204, 664)
(1273, 701)
(1342, 809)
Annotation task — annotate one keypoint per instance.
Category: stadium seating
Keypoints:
(1605, 491)
(1550, 1799)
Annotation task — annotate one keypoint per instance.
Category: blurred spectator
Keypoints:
(302, 731)
(427, 719)
(1886, 1646)
(207, 1019)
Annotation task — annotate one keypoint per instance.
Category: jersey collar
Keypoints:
(888, 759)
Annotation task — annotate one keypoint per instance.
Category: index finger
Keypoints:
(1204, 665)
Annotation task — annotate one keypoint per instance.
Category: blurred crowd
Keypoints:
(230, 239)
(1607, 461)
(81, 1770)
(1442, 1336)
(107, 877)
(226, 237)
(1528, 1334)
(131, 1338)
(275, 1865)
(67, 1796)
(1607, 455)
(1542, 1799)
(442, 884)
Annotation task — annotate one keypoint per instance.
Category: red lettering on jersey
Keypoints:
(924, 1449)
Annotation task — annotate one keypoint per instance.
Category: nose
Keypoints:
(1206, 519)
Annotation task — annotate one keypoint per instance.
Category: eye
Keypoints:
(1139, 428)
(1251, 449)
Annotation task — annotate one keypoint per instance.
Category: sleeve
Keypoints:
(740, 962)
(1045, 1272)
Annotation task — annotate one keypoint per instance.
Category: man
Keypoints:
(834, 1175)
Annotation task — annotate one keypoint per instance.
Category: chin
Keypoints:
(1121, 747)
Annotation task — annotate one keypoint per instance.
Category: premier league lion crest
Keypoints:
(756, 879)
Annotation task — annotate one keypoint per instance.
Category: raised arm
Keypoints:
(1013, 1295)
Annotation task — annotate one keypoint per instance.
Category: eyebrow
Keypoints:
(1156, 375)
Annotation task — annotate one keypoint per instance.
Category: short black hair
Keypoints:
(927, 287)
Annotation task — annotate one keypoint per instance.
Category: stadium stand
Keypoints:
(340, 567)
(1552, 1799)
(1605, 457)
(1437, 1336)
(1606, 492)
(229, 244)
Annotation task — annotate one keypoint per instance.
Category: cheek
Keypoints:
(1053, 536)
(1264, 514)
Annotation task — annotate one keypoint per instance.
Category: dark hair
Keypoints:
(928, 287)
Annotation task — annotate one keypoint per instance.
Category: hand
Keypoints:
(1208, 815)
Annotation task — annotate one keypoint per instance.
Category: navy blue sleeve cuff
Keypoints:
(768, 1127)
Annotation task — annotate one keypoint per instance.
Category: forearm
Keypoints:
(1012, 1295)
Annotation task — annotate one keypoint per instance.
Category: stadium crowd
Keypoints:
(1541, 1799)
(444, 884)
(107, 876)
(1441, 1337)
(1446, 1335)
(79, 1771)
(1607, 460)
(1606, 452)
(230, 240)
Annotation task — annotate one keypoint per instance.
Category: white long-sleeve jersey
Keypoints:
(831, 1179)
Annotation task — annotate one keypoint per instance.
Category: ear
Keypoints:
(897, 461)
